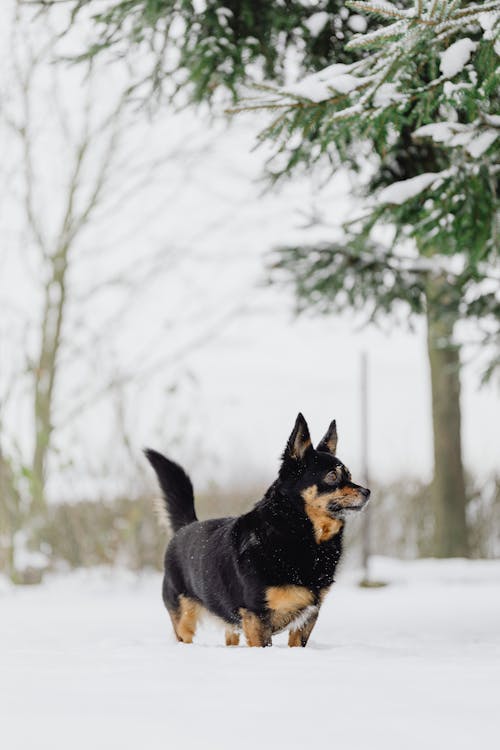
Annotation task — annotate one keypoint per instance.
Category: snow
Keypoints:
(385, 32)
(357, 23)
(493, 120)
(23, 556)
(481, 143)
(319, 86)
(403, 190)
(384, 8)
(441, 132)
(456, 57)
(88, 661)
(347, 112)
(386, 94)
(199, 6)
(317, 22)
(476, 141)
(487, 21)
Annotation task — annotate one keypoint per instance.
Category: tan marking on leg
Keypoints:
(186, 618)
(257, 631)
(294, 638)
(232, 637)
(281, 619)
(301, 636)
(175, 620)
(288, 598)
(315, 506)
(286, 603)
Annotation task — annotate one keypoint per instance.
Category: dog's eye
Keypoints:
(331, 477)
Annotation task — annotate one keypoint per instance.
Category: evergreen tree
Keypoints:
(415, 94)
(426, 99)
(205, 50)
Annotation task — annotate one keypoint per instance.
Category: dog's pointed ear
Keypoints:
(329, 442)
(299, 441)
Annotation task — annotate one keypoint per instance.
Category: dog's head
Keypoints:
(316, 477)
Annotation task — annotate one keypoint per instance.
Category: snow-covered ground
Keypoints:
(87, 660)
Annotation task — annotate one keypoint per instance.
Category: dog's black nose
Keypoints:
(365, 492)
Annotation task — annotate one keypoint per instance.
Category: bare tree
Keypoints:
(55, 239)
(76, 167)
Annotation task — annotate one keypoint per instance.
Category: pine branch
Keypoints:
(383, 9)
(477, 9)
(385, 34)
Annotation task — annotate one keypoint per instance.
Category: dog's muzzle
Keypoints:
(354, 503)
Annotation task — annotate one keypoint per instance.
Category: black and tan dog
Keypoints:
(269, 569)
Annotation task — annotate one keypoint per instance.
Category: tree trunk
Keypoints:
(10, 517)
(448, 487)
(45, 375)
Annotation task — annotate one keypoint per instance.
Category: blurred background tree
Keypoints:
(411, 105)
(426, 101)
(73, 160)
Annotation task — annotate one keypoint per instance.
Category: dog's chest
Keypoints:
(292, 620)
(290, 606)
(303, 617)
(314, 568)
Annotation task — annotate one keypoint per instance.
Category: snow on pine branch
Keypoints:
(478, 145)
(458, 54)
(402, 191)
(378, 36)
(422, 78)
(473, 137)
(361, 80)
(381, 8)
(317, 22)
(318, 87)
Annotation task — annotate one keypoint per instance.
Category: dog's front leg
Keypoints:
(257, 628)
(301, 636)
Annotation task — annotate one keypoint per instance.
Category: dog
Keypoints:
(269, 569)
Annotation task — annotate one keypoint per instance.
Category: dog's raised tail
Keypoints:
(176, 488)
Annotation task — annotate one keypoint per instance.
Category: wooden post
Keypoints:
(365, 543)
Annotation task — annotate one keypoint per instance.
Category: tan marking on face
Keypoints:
(347, 494)
(342, 496)
(315, 505)
(232, 637)
(185, 618)
(257, 631)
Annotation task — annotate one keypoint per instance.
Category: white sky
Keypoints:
(262, 367)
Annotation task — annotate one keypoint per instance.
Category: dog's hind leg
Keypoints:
(174, 619)
(301, 636)
(232, 637)
(185, 618)
(257, 629)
